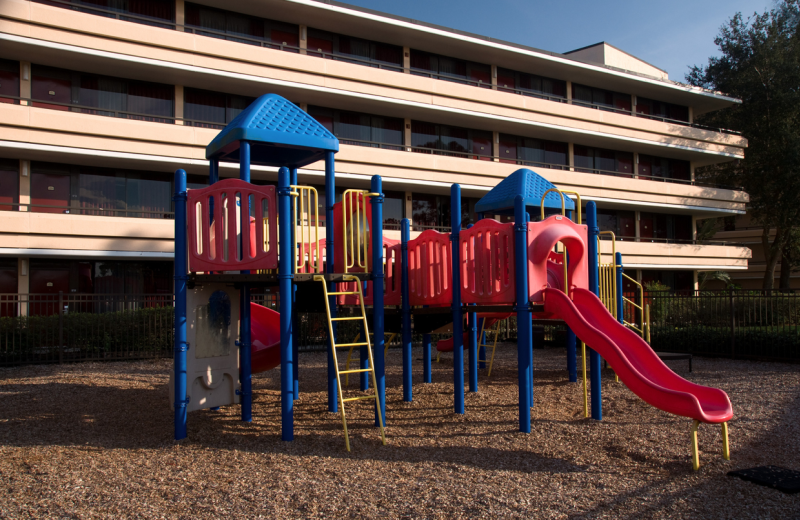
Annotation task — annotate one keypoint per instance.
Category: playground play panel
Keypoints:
(95, 440)
(233, 236)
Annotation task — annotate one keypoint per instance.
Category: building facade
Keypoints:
(101, 101)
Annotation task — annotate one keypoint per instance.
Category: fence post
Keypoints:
(60, 327)
(733, 326)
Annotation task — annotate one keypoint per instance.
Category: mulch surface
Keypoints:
(94, 440)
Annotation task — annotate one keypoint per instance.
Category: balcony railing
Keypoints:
(92, 211)
(348, 58)
(671, 241)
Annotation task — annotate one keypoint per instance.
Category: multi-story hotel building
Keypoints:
(103, 100)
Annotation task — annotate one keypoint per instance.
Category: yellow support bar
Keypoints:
(726, 449)
(695, 447)
(308, 200)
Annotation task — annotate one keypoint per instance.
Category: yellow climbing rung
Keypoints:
(334, 346)
(359, 398)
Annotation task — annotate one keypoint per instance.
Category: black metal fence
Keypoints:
(739, 324)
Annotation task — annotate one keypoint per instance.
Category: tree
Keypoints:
(760, 64)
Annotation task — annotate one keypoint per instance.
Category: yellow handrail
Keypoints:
(641, 328)
(578, 204)
(607, 274)
(563, 207)
(358, 236)
(307, 195)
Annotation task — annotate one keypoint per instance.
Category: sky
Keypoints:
(671, 35)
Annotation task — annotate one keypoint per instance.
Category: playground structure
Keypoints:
(233, 235)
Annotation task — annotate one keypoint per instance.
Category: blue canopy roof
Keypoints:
(279, 132)
(523, 182)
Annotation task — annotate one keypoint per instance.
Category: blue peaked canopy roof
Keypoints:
(523, 182)
(279, 132)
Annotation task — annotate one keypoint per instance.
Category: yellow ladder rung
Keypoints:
(355, 371)
(360, 398)
(340, 345)
(337, 293)
(348, 318)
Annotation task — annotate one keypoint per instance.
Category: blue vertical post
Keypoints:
(405, 235)
(295, 314)
(181, 269)
(594, 286)
(529, 326)
(378, 324)
(285, 279)
(458, 323)
(330, 200)
(427, 375)
(213, 171)
(618, 272)
(524, 326)
(245, 341)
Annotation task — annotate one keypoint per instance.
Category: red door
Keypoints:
(482, 146)
(9, 189)
(48, 189)
(45, 283)
(646, 223)
(508, 150)
(51, 89)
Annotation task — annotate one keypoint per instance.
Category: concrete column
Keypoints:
(571, 156)
(691, 170)
(179, 101)
(24, 183)
(407, 60)
(494, 77)
(635, 165)
(696, 280)
(636, 225)
(496, 144)
(691, 115)
(23, 283)
(633, 105)
(304, 107)
(180, 14)
(409, 208)
(694, 227)
(569, 93)
(303, 39)
(407, 135)
(24, 80)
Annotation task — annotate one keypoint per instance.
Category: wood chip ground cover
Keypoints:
(95, 441)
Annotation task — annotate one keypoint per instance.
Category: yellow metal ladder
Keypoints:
(374, 396)
(488, 332)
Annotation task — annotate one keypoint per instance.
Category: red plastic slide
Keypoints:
(634, 360)
(265, 335)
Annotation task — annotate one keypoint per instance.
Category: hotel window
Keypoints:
(430, 211)
(601, 99)
(237, 27)
(394, 205)
(451, 140)
(660, 168)
(652, 109)
(8, 287)
(597, 160)
(660, 227)
(356, 128)
(534, 152)
(212, 109)
(148, 12)
(339, 47)
(531, 85)
(621, 223)
(61, 89)
(84, 190)
(9, 81)
(450, 69)
(675, 280)
(9, 184)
